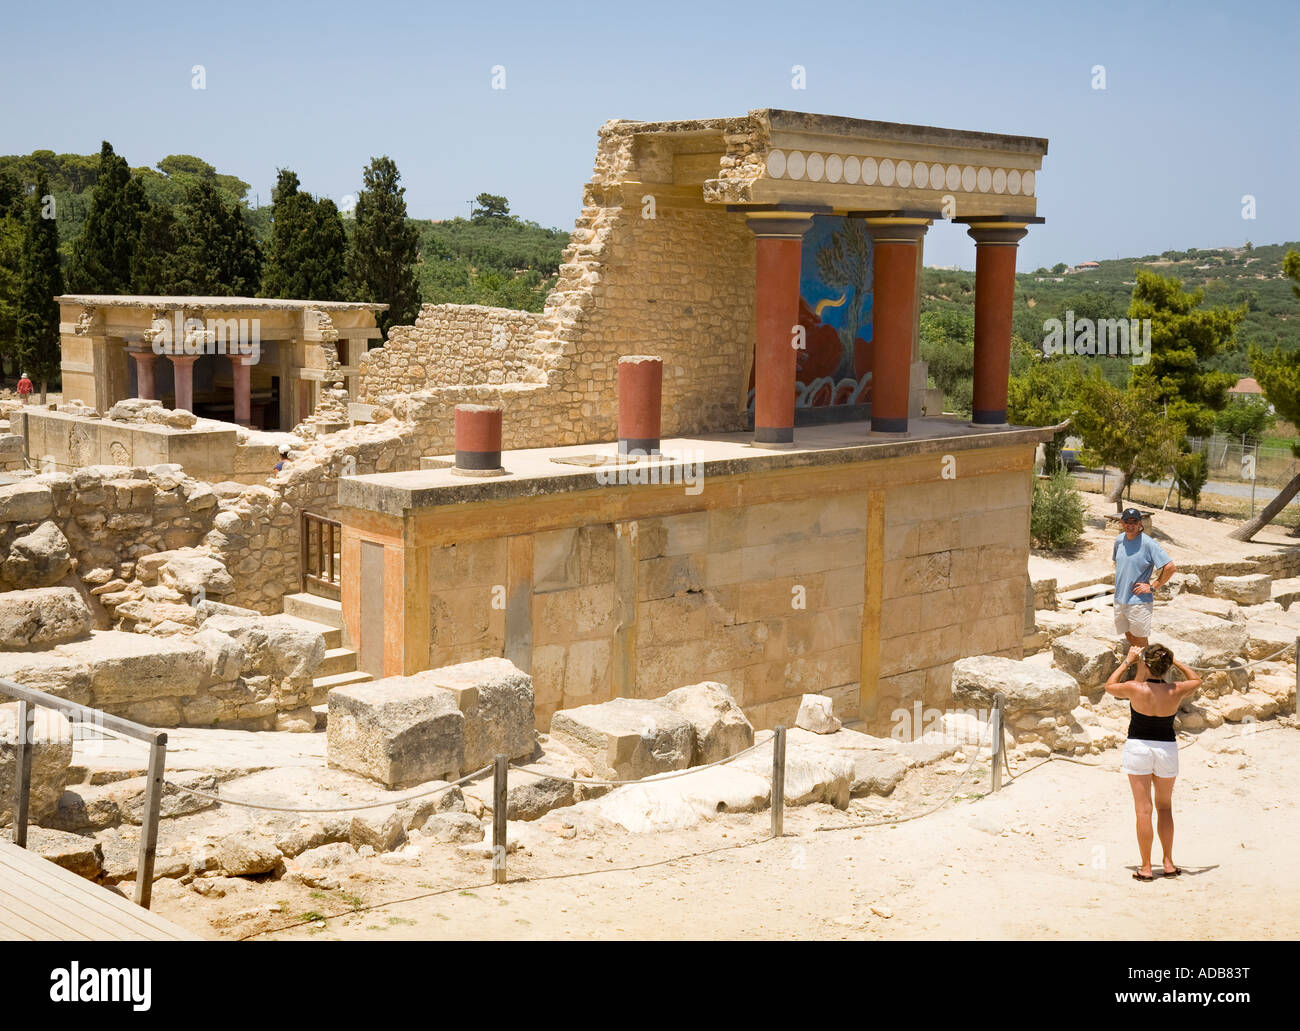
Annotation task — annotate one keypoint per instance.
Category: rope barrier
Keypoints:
(1246, 665)
(338, 809)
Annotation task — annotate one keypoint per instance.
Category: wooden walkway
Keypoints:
(41, 901)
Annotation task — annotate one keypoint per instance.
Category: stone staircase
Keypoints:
(326, 616)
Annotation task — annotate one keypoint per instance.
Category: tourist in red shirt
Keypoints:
(25, 388)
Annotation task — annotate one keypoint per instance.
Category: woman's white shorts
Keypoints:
(1150, 757)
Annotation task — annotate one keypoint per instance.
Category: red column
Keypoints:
(144, 384)
(243, 389)
(640, 403)
(183, 376)
(478, 440)
(995, 288)
(779, 238)
(893, 319)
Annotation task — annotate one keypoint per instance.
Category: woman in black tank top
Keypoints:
(1151, 752)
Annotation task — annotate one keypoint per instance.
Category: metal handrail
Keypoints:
(28, 700)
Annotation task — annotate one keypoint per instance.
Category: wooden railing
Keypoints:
(321, 542)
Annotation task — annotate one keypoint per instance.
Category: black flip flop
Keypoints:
(1143, 877)
(1173, 873)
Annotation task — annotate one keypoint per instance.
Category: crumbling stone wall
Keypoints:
(642, 274)
(453, 343)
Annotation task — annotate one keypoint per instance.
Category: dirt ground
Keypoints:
(1185, 538)
(1050, 856)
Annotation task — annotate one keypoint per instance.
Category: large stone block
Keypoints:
(1025, 686)
(1253, 589)
(25, 502)
(496, 698)
(626, 738)
(721, 728)
(274, 645)
(42, 617)
(1219, 640)
(127, 667)
(37, 559)
(51, 754)
(1087, 659)
(399, 731)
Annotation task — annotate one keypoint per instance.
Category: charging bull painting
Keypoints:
(834, 366)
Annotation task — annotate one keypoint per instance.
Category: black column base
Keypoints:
(773, 434)
(641, 445)
(881, 424)
(989, 417)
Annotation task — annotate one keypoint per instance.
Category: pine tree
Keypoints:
(385, 247)
(154, 269)
(104, 254)
(307, 256)
(41, 281)
(1184, 337)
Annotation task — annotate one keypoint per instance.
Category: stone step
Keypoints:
(333, 635)
(341, 679)
(337, 660)
(1078, 594)
(1285, 592)
(315, 608)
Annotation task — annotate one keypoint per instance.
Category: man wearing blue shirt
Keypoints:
(1141, 569)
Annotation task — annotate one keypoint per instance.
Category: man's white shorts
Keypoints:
(1143, 757)
(1133, 619)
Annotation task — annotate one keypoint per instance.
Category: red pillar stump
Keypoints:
(779, 245)
(243, 389)
(183, 376)
(995, 287)
(893, 302)
(478, 440)
(144, 381)
(640, 403)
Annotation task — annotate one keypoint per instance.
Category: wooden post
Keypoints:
(995, 721)
(499, 774)
(149, 825)
(778, 780)
(23, 770)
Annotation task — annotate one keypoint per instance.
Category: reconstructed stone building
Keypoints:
(256, 362)
(822, 530)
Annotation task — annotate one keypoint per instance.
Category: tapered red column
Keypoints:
(640, 403)
(995, 289)
(183, 376)
(894, 243)
(779, 239)
(243, 389)
(144, 381)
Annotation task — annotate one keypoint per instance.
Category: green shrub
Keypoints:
(1056, 512)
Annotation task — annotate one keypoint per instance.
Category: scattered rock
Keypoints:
(81, 855)
(383, 833)
(453, 827)
(37, 559)
(1252, 589)
(720, 725)
(496, 699)
(245, 855)
(816, 714)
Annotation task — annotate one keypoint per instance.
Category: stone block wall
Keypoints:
(953, 585)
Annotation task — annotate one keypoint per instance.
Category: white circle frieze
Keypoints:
(796, 164)
(852, 168)
(816, 167)
(999, 180)
(968, 179)
(904, 174)
(834, 168)
(984, 180)
(870, 171)
(1027, 184)
(776, 164)
(887, 172)
(1013, 181)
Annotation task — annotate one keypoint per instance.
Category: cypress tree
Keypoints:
(307, 256)
(41, 281)
(11, 254)
(385, 247)
(217, 255)
(104, 254)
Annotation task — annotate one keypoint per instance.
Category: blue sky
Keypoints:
(1200, 106)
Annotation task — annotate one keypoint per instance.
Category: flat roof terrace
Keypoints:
(546, 471)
